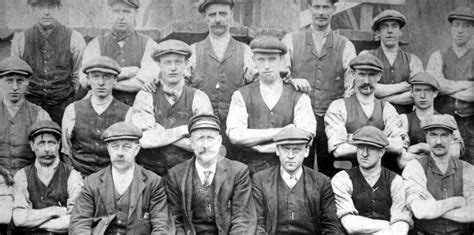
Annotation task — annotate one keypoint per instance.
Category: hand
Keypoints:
(150, 86)
(301, 84)
(289, 126)
(129, 72)
(405, 86)
(458, 201)
(58, 211)
(419, 148)
(286, 75)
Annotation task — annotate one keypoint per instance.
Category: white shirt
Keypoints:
(200, 170)
(291, 179)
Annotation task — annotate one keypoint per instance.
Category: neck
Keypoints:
(389, 49)
(122, 172)
(371, 171)
(100, 101)
(460, 49)
(52, 165)
(424, 112)
(441, 160)
(322, 29)
(276, 83)
(8, 102)
(365, 99)
(220, 37)
(206, 165)
(173, 86)
(293, 172)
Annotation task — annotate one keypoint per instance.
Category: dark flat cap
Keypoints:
(203, 4)
(388, 15)
(370, 135)
(439, 121)
(461, 13)
(34, 2)
(14, 65)
(204, 121)
(102, 64)
(292, 135)
(171, 46)
(122, 131)
(267, 44)
(424, 78)
(133, 3)
(44, 127)
(366, 61)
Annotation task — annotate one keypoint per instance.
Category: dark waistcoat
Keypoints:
(416, 134)
(356, 117)
(122, 203)
(202, 204)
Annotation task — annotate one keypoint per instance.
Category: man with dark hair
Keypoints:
(54, 51)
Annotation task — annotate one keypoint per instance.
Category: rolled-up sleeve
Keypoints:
(143, 114)
(201, 103)
(399, 210)
(468, 183)
(69, 120)
(335, 120)
(237, 117)
(393, 125)
(342, 187)
(148, 67)
(18, 44)
(415, 181)
(74, 187)
(304, 116)
(21, 195)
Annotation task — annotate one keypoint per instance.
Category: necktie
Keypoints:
(292, 181)
(207, 175)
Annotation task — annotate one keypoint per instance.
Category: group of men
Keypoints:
(89, 131)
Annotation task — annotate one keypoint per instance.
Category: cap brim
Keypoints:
(284, 142)
(369, 67)
(156, 56)
(44, 130)
(439, 126)
(123, 137)
(399, 20)
(21, 72)
(103, 70)
(362, 142)
(268, 51)
(460, 17)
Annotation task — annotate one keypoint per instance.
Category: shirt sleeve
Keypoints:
(18, 45)
(288, 41)
(415, 183)
(415, 64)
(399, 211)
(77, 49)
(342, 186)
(69, 120)
(91, 51)
(249, 65)
(393, 125)
(74, 187)
(148, 67)
(237, 117)
(348, 55)
(404, 120)
(188, 71)
(435, 65)
(304, 116)
(43, 116)
(335, 120)
(143, 114)
(21, 194)
(201, 103)
(468, 183)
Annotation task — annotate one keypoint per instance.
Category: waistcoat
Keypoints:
(356, 117)
(202, 204)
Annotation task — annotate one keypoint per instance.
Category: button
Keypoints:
(119, 221)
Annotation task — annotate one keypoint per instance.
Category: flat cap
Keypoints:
(461, 13)
(133, 3)
(122, 131)
(439, 121)
(204, 121)
(292, 135)
(44, 127)
(366, 61)
(424, 78)
(267, 44)
(171, 46)
(34, 2)
(388, 15)
(102, 64)
(203, 4)
(370, 135)
(14, 65)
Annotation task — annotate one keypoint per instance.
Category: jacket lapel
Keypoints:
(270, 188)
(219, 177)
(309, 190)
(137, 187)
(187, 188)
(106, 190)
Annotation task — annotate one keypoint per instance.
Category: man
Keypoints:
(6, 199)
(260, 110)
(123, 198)
(318, 59)
(163, 115)
(126, 46)
(345, 116)
(291, 198)
(399, 66)
(210, 194)
(369, 197)
(54, 51)
(86, 119)
(45, 191)
(440, 187)
(453, 68)
(424, 89)
(16, 115)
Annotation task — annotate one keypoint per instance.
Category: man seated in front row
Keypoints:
(45, 191)
(369, 197)
(291, 198)
(439, 187)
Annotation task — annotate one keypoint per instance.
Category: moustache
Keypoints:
(48, 156)
(438, 146)
(367, 85)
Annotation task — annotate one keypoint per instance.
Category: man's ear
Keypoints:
(31, 144)
(379, 76)
(435, 93)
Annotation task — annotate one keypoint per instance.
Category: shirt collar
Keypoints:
(201, 169)
(285, 175)
(173, 91)
(51, 167)
(323, 33)
(220, 41)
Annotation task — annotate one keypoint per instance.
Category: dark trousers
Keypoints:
(320, 147)
(466, 127)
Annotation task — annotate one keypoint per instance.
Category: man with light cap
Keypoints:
(123, 198)
(453, 68)
(86, 119)
(16, 115)
(424, 88)
(129, 48)
(260, 110)
(210, 194)
(291, 198)
(439, 187)
(370, 199)
(399, 66)
(45, 191)
(163, 115)
(345, 116)
(54, 52)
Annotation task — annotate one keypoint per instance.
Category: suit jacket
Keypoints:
(234, 206)
(318, 191)
(95, 208)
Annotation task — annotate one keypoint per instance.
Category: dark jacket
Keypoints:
(95, 208)
(318, 191)
(234, 206)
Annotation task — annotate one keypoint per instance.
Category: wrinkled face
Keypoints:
(390, 33)
(369, 156)
(172, 68)
(46, 13)
(366, 80)
(206, 144)
(423, 96)
(219, 18)
(123, 16)
(269, 66)
(321, 11)
(439, 140)
(122, 153)
(46, 148)
(101, 83)
(13, 87)
(461, 31)
(292, 156)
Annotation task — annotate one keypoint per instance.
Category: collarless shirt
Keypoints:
(220, 45)
(200, 170)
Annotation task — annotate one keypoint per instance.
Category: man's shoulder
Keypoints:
(149, 175)
(317, 176)
(180, 169)
(234, 166)
(265, 174)
(93, 178)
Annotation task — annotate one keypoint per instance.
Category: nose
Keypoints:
(173, 67)
(218, 18)
(15, 85)
(365, 153)
(422, 94)
(266, 65)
